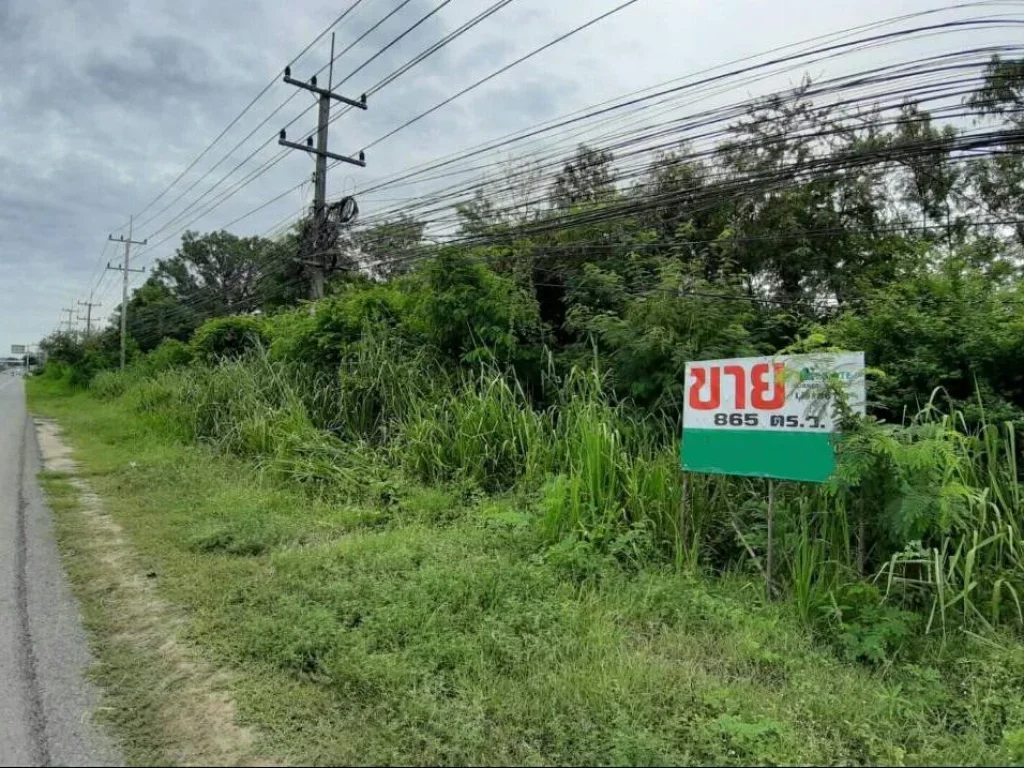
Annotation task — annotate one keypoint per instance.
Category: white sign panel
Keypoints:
(785, 393)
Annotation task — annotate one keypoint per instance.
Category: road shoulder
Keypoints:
(60, 653)
(164, 702)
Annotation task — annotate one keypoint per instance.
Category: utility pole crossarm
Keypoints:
(121, 269)
(360, 161)
(69, 320)
(311, 86)
(88, 313)
(121, 239)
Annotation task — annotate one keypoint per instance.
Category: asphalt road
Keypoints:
(45, 703)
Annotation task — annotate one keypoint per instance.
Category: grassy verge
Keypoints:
(129, 680)
(431, 626)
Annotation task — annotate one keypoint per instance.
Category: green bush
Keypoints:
(473, 315)
(956, 329)
(228, 338)
(170, 354)
(863, 627)
(108, 385)
(321, 339)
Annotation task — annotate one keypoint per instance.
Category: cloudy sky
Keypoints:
(103, 103)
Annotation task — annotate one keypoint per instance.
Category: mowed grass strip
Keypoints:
(431, 627)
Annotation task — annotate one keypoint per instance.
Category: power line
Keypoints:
(251, 133)
(270, 139)
(503, 70)
(464, 91)
(404, 69)
(247, 107)
(979, 141)
(279, 197)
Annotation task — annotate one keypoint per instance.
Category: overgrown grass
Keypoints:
(931, 511)
(370, 618)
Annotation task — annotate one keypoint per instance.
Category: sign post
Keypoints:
(770, 417)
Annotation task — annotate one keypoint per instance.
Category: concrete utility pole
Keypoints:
(125, 269)
(317, 257)
(68, 321)
(88, 315)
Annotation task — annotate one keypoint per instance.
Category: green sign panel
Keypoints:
(767, 416)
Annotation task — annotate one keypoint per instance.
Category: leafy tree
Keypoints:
(999, 178)
(210, 275)
(226, 338)
(155, 313)
(217, 273)
(954, 328)
(478, 216)
(646, 339)
(932, 177)
(389, 248)
(587, 178)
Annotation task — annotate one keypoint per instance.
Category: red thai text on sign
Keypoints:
(766, 388)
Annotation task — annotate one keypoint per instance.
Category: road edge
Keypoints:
(165, 704)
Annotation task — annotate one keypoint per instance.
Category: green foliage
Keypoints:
(108, 385)
(79, 360)
(863, 626)
(587, 178)
(493, 424)
(62, 349)
(392, 246)
(156, 312)
(957, 329)
(484, 431)
(171, 353)
(227, 338)
(542, 354)
(647, 339)
(321, 338)
(470, 314)
(382, 380)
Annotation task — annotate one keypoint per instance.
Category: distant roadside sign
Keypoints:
(17, 349)
(767, 417)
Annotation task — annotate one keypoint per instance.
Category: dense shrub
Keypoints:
(956, 328)
(473, 315)
(484, 431)
(320, 339)
(228, 338)
(171, 353)
(81, 360)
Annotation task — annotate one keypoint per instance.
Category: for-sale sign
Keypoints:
(767, 416)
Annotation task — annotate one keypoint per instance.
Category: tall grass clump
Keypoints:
(964, 555)
(250, 407)
(165, 401)
(382, 382)
(110, 385)
(484, 430)
(615, 483)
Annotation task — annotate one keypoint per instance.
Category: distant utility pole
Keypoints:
(317, 259)
(125, 269)
(88, 315)
(68, 321)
